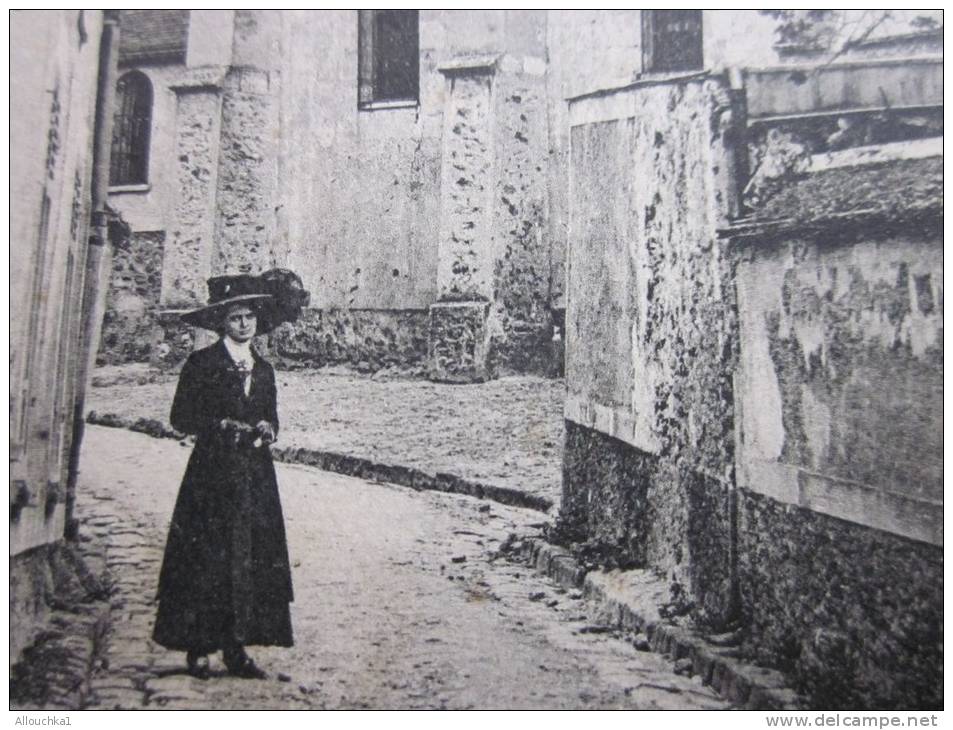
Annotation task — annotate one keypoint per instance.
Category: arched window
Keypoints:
(129, 163)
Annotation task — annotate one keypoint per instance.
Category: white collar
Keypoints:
(239, 351)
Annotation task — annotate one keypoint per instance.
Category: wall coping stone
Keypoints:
(473, 65)
(201, 78)
(612, 421)
(641, 82)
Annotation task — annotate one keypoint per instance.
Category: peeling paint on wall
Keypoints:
(843, 342)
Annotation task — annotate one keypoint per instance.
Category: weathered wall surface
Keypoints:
(526, 268)
(459, 341)
(854, 614)
(495, 238)
(132, 304)
(839, 396)
(359, 189)
(394, 208)
(54, 60)
(840, 379)
(368, 340)
(650, 322)
(187, 262)
(245, 223)
(469, 167)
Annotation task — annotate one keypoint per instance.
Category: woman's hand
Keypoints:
(266, 432)
(234, 430)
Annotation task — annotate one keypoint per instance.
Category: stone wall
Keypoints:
(359, 190)
(853, 614)
(650, 325)
(246, 239)
(526, 271)
(495, 238)
(360, 210)
(368, 340)
(132, 304)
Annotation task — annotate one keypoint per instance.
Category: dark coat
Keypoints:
(225, 576)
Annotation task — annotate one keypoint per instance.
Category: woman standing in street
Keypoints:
(225, 581)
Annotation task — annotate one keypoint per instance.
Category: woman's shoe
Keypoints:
(248, 670)
(241, 665)
(197, 664)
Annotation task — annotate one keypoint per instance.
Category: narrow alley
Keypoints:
(399, 603)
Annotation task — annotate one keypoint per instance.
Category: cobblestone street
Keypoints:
(399, 603)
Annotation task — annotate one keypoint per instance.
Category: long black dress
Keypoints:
(225, 576)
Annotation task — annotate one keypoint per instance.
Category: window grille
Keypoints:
(129, 162)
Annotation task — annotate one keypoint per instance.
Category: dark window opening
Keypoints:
(672, 40)
(132, 124)
(389, 56)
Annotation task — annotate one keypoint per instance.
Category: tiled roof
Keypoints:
(153, 36)
(888, 191)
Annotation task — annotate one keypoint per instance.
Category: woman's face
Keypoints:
(240, 323)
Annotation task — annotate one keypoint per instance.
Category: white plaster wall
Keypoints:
(52, 98)
(360, 190)
(150, 208)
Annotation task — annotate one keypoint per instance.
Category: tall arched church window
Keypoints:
(129, 162)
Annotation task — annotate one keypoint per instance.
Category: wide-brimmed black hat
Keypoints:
(223, 292)
(276, 296)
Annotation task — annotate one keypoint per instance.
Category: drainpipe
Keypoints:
(98, 255)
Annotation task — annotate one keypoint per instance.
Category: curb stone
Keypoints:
(354, 466)
(747, 686)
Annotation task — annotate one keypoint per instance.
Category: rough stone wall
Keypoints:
(650, 316)
(245, 235)
(132, 303)
(854, 614)
(469, 161)
(368, 340)
(495, 244)
(606, 494)
(189, 250)
(459, 341)
(30, 581)
(524, 293)
(397, 207)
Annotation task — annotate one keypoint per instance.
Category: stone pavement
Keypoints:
(506, 433)
(403, 600)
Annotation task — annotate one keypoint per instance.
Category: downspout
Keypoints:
(98, 255)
